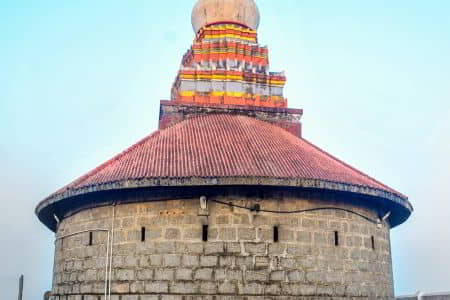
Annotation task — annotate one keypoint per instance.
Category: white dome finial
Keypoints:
(243, 12)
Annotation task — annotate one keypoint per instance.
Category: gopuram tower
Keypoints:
(226, 200)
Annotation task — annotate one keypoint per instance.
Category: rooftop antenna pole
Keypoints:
(20, 287)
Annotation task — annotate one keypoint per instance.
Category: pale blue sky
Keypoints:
(81, 81)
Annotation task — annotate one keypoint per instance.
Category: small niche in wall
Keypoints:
(91, 237)
(143, 234)
(205, 233)
(276, 237)
(373, 242)
(336, 238)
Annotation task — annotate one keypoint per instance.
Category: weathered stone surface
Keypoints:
(172, 260)
(172, 234)
(117, 288)
(137, 287)
(190, 260)
(242, 260)
(183, 288)
(214, 248)
(246, 234)
(183, 274)
(209, 261)
(227, 288)
(203, 274)
(164, 274)
(156, 287)
(125, 275)
(256, 276)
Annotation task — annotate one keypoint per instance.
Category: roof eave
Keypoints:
(398, 200)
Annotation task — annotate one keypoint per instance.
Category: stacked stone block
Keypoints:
(240, 260)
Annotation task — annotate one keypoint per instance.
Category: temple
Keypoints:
(226, 200)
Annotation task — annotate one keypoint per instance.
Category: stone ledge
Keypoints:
(295, 111)
(173, 112)
(400, 206)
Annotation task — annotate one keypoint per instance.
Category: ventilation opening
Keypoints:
(205, 233)
(90, 238)
(336, 238)
(373, 242)
(143, 234)
(275, 234)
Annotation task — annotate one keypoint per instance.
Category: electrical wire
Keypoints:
(297, 211)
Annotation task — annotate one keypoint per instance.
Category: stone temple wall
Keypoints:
(240, 260)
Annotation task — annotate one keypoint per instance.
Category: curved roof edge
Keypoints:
(401, 204)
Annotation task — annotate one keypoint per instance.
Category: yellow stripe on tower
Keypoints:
(232, 94)
(187, 93)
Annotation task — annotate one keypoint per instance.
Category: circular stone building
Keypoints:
(226, 200)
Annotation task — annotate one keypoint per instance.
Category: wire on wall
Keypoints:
(297, 211)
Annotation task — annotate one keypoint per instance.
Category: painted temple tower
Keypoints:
(226, 200)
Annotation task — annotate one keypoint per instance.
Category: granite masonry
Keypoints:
(159, 252)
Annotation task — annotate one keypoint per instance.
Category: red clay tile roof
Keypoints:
(223, 146)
